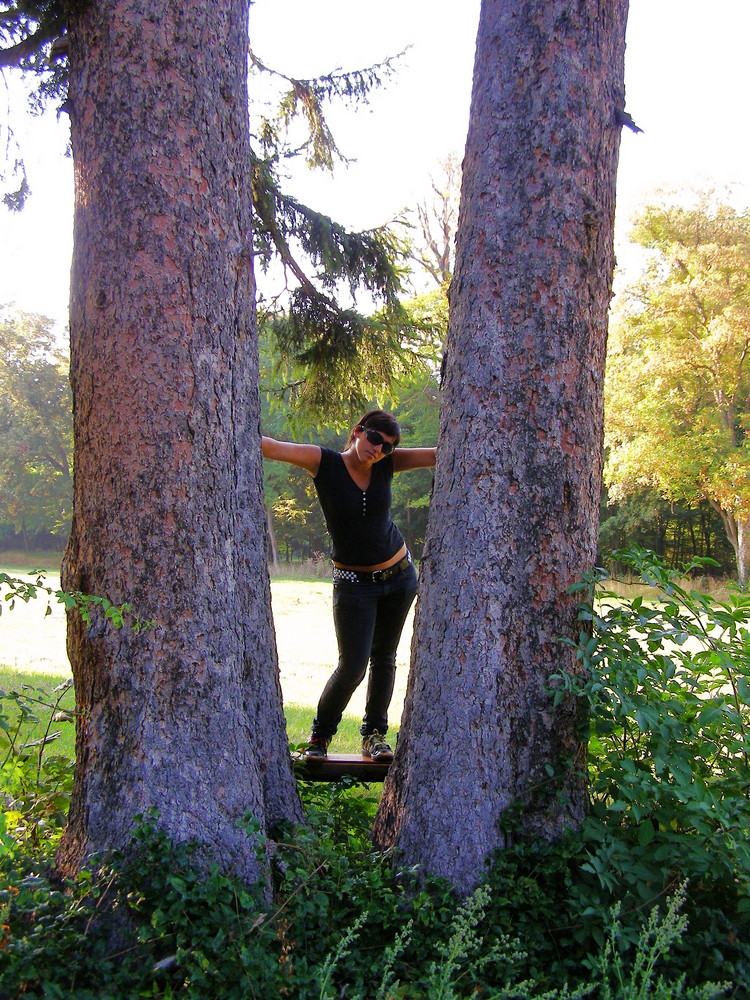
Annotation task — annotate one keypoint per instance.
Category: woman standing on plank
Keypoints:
(374, 580)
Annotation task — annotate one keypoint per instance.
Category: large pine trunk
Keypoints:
(514, 517)
(185, 717)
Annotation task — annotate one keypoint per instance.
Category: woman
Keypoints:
(374, 580)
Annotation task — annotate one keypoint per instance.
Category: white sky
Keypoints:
(686, 83)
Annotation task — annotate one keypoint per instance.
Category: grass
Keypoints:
(17, 561)
(28, 685)
(32, 643)
(31, 689)
(32, 646)
(347, 739)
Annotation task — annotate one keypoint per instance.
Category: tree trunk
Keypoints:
(737, 528)
(274, 550)
(743, 549)
(187, 716)
(514, 516)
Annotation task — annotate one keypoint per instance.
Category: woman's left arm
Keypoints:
(413, 458)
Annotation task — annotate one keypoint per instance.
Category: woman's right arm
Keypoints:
(304, 456)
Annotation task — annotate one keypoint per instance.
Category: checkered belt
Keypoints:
(377, 576)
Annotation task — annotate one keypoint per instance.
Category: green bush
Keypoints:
(667, 685)
(35, 784)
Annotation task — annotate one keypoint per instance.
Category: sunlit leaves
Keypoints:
(678, 379)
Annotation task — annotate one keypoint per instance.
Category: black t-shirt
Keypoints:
(359, 522)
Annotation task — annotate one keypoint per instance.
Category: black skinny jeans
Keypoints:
(369, 618)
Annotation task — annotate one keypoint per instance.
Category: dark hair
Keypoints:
(378, 420)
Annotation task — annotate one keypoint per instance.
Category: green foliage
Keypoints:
(45, 686)
(35, 783)
(668, 690)
(656, 938)
(323, 351)
(155, 921)
(36, 427)
(339, 359)
(666, 682)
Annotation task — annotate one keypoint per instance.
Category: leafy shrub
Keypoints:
(667, 685)
(35, 784)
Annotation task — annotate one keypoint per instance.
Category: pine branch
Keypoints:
(307, 96)
(28, 46)
(365, 260)
(348, 85)
(26, 28)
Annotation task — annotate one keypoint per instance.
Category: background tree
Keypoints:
(437, 221)
(36, 428)
(677, 533)
(514, 516)
(678, 379)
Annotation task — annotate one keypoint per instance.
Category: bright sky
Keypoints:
(686, 83)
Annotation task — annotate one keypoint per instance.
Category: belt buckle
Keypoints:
(377, 575)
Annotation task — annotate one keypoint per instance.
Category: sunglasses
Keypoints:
(375, 438)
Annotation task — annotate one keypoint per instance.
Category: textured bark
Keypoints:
(514, 516)
(168, 510)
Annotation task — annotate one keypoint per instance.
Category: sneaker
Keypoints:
(317, 748)
(375, 746)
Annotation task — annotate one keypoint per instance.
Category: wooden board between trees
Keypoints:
(339, 765)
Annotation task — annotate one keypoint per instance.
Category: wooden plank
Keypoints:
(339, 765)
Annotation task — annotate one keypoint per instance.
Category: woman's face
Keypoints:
(368, 452)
